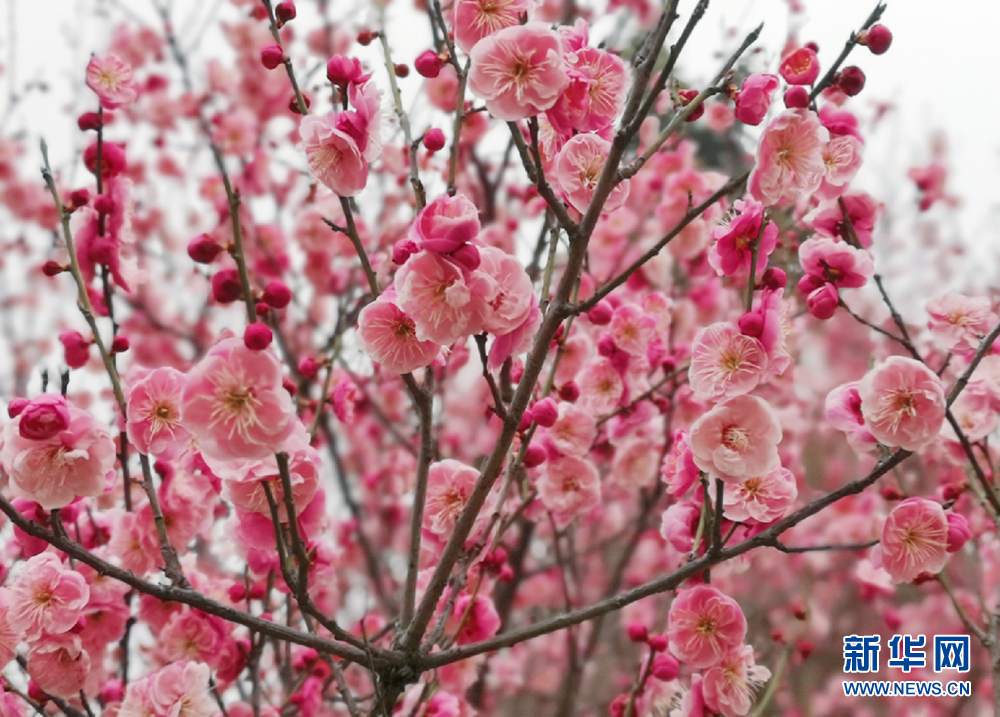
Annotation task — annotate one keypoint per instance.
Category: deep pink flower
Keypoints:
(234, 403)
(903, 403)
(800, 67)
(679, 523)
(754, 98)
(764, 498)
(737, 439)
(823, 301)
(725, 363)
(729, 685)
(519, 71)
(579, 166)
(862, 212)
(472, 20)
(44, 418)
(735, 240)
(47, 598)
(789, 162)
(914, 540)
(570, 488)
(704, 625)
(959, 531)
(154, 411)
(837, 263)
(389, 337)
(112, 80)
(77, 461)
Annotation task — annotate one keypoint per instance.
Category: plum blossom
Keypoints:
(724, 362)
(903, 403)
(518, 70)
(579, 166)
(574, 430)
(569, 487)
(234, 403)
(448, 226)
(843, 411)
(737, 439)
(333, 155)
(754, 98)
(679, 470)
(59, 664)
(596, 91)
(959, 322)
(112, 81)
(435, 294)
(728, 686)
(154, 411)
(914, 540)
(178, 690)
(473, 20)
(827, 261)
(842, 157)
(505, 289)
(601, 386)
(449, 485)
(389, 337)
(763, 498)
(704, 625)
(77, 461)
(47, 598)
(735, 240)
(789, 162)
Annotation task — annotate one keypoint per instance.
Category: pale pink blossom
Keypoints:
(704, 625)
(579, 166)
(449, 485)
(472, 20)
(601, 387)
(518, 70)
(234, 402)
(679, 523)
(959, 322)
(59, 664)
(518, 340)
(725, 362)
(636, 464)
(389, 337)
(735, 240)
(974, 412)
(632, 329)
(574, 431)
(243, 484)
(903, 403)
(914, 540)
(47, 598)
(789, 162)
(433, 292)
(843, 411)
(862, 214)
(9, 637)
(596, 91)
(154, 411)
(569, 488)
(181, 690)
(827, 261)
(764, 498)
(754, 98)
(333, 155)
(112, 80)
(135, 543)
(504, 290)
(729, 685)
(737, 439)
(842, 157)
(679, 470)
(446, 224)
(77, 461)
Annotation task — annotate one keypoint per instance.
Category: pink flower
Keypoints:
(434, 293)
(595, 94)
(9, 637)
(579, 166)
(679, 523)
(44, 418)
(737, 439)
(474, 618)
(154, 412)
(725, 363)
(333, 155)
(862, 211)
(754, 98)
(974, 412)
(789, 162)
(959, 322)
(570, 488)
(959, 532)
(518, 340)
(389, 337)
(632, 329)
(449, 485)
(843, 411)
(519, 71)
(914, 540)
(842, 157)
(112, 80)
(827, 261)
(77, 461)
(243, 483)
(181, 690)
(601, 387)
(59, 664)
(679, 470)
(504, 289)
(735, 240)
(446, 224)
(903, 403)
(472, 20)
(234, 403)
(635, 464)
(47, 598)
(704, 625)
(800, 67)
(729, 685)
(763, 498)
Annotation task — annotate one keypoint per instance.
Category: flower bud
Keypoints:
(293, 103)
(823, 302)
(76, 349)
(52, 268)
(428, 64)
(851, 80)
(89, 121)
(657, 643)
(958, 532)
(606, 345)
(277, 294)
(600, 315)
(271, 56)
(257, 337)
(308, 367)
(637, 632)
(226, 287)
(401, 70)
(365, 37)
(809, 283)
(569, 392)
(43, 418)
(774, 279)
(284, 12)
(751, 324)
(119, 345)
(104, 204)
(878, 38)
(665, 668)
(112, 159)
(687, 96)
(534, 456)
(545, 412)
(800, 67)
(203, 249)
(796, 98)
(434, 140)
(805, 648)
(342, 71)
(237, 593)
(79, 198)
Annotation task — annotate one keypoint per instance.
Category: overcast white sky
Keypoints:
(938, 75)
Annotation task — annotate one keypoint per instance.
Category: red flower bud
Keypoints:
(751, 324)
(665, 668)
(600, 315)
(52, 268)
(687, 96)
(545, 412)
(823, 302)
(428, 64)
(958, 532)
(569, 392)
(119, 345)
(271, 56)
(293, 103)
(401, 70)
(112, 159)
(226, 287)
(79, 198)
(774, 279)
(878, 38)
(434, 140)
(104, 204)
(851, 80)
(75, 348)
(805, 648)
(534, 456)
(637, 632)
(284, 12)
(89, 121)
(277, 294)
(257, 337)
(796, 98)
(203, 249)
(657, 643)
(365, 37)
